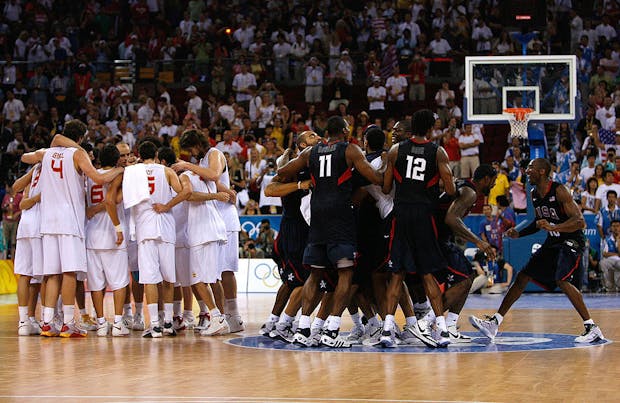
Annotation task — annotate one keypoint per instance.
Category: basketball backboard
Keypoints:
(547, 84)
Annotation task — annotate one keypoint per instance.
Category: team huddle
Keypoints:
(175, 234)
(361, 230)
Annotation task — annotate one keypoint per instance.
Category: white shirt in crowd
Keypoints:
(242, 82)
(233, 148)
(376, 92)
(13, 110)
(394, 85)
(314, 76)
(194, 105)
(469, 139)
(170, 131)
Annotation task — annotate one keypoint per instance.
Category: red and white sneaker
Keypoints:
(49, 330)
(71, 331)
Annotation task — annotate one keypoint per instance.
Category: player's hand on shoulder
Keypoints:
(180, 166)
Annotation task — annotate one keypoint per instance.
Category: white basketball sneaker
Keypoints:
(235, 323)
(487, 327)
(138, 322)
(456, 336)
(591, 334)
(103, 329)
(356, 335)
(119, 329)
(217, 326)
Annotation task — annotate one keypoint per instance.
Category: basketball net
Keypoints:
(518, 118)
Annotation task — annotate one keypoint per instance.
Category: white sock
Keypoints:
(411, 320)
(118, 318)
(139, 308)
(188, 313)
(23, 313)
(203, 307)
(101, 321)
(317, 323)
(215, 312)
(424, 305)
(500, 318)
(304, 322)
(231, 307)
(588, 322)
(153, 313)
(273, 318)
(334, 322)
(127, 310)
(451, 319)
(440, 321)
(286, 319)
(69, 313)
(357, 319)
(83, 312)
(176, 308)
(430, 316)
(168, 310)
(48, 314)
(388, 323)
(374, 321)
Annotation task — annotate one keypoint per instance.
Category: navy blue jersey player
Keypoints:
(558, 261)
(415, 167)
(332, 236)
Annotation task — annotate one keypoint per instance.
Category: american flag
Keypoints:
(390, 60)
(607, 136)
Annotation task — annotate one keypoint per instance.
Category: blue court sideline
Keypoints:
(543, 301)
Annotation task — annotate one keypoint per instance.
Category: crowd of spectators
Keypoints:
(234, 63)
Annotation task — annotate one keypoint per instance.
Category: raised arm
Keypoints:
(355, 155)
(445, 172)
(454, 219)
(294, 166)
(388, 176)
(212, 173)
(33, 157)
(82, 161)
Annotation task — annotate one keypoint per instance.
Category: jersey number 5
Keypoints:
(57, 168)
(415, 168)
(151, 180)
(325, 166)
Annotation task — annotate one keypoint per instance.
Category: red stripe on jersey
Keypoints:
(433, 181)
(397, 176)
(348, 174)
(416, 141)
(389, 251)
(434, 226)
(313, 180)
(458, 273)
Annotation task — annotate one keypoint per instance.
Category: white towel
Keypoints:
(304, 207)
(135, 191)
(135, 185)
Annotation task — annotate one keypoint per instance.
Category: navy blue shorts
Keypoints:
(459, 268)
(328, 255)
(415, 247)
(288, 250)
(553, 263)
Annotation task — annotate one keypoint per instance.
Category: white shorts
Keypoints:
(107, 268)
(28, 257)
(203, 261)
(63, 254)
(229, 253)
(181, 260)
(156, 262)
(132, 253)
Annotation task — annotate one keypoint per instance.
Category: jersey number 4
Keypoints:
(57, 168)
(415, 168)
(325, 166)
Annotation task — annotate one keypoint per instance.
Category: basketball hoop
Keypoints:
(518, 119)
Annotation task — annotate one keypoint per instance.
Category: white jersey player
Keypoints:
(62, 221)
(136, 289)
(28, 252)
(106, 250)
(155, 234)
(213, 167)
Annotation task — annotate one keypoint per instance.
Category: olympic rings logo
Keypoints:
(268, 274)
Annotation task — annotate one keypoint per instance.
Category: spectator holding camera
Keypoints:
(266, 238)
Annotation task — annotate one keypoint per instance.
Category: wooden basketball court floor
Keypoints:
(191, 368)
